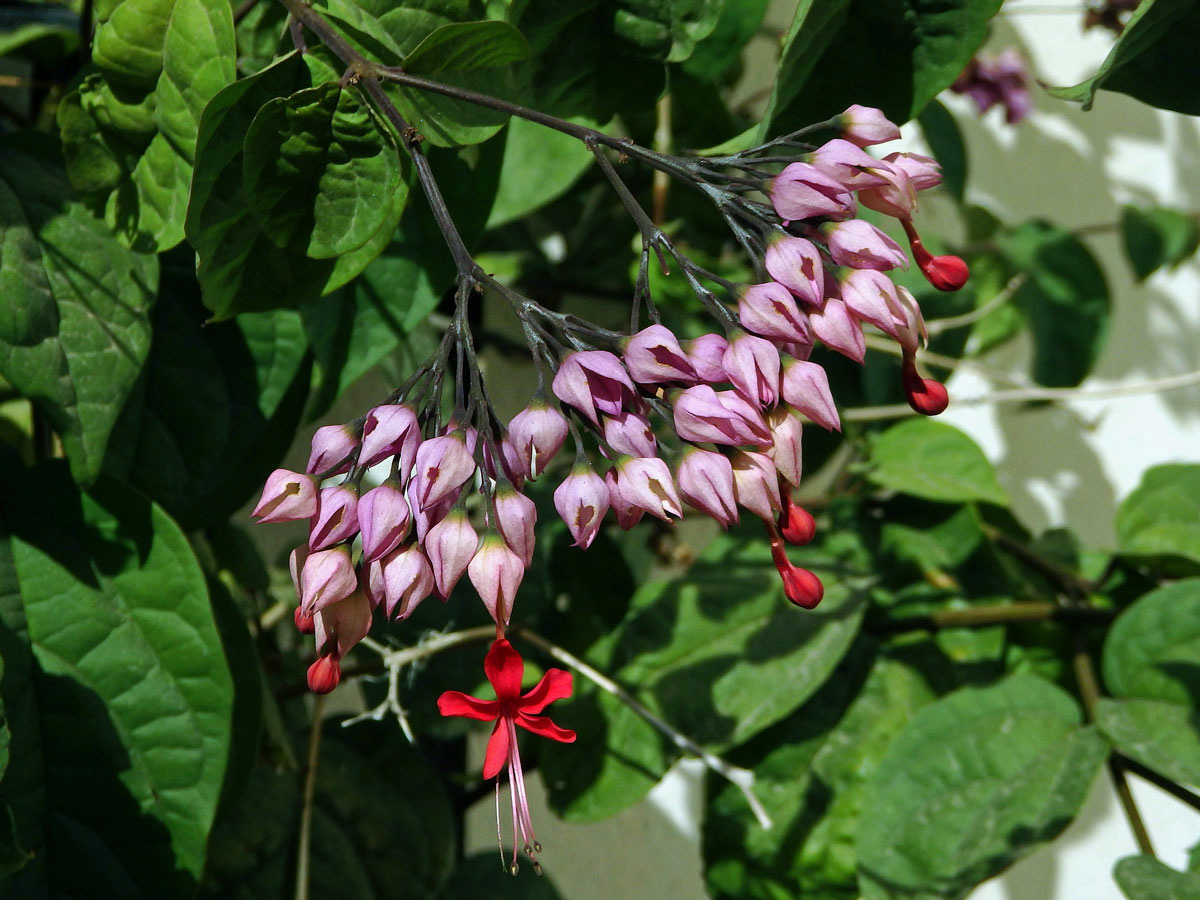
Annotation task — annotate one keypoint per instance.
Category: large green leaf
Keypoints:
(75, 318)
(1157, 236)
(320, 179)
(1160, 520)
(929, 459)
(129, 130)
(462, 46)
(894, 54)
(117, 690)
(1065, 299)
(810, 773)
(381, 825)
(241, 268)
(1145, 878)
(539, 166)
(975, 781)
(1152, 665)
(217, 405)
(1150, 59)
(719, 653)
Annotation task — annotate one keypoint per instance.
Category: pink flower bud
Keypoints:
(806, 387)
(705, 354)
(802, 191)
(406, 578)
(627, 516)
(592, 380)
(653, 356)
(384, 519)
(324, 675)
(755, 483)
(839, 330)
(443, 465)
(752, 365)
(861, 245)
(796, 264)
(897, 199)
(769, 310)
(700, 417)
(865, 125)
(424, 519)
(450, 545)
(923, 173)
(630, 433)
(287, 497)
(646, 484)
(333, 448)
(786, 432)
(337, 517)
(581, 501)
(326, 577)
(536, 434)
(849, 165)
(706, 483)
(516, 516)
(390, 430)
(341, 625)
(871, 297)
(756, 425)
(496, 573)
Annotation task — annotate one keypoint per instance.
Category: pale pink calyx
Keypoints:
(333, 450)
(786, 433)
(755, 482)
(450, 545)
(516, 516)
(871, 297)
(706, 482)
(384, 519)
(627, 515)
(796, 264)
(390, 430)
(339, 626)
(337, 516)
(327, 576)
(582, 500)
(838, 330)
(806, 387)
(849, 165)
(496, 572)
(442, 466)
(403, 578)
(535, 435)
(861, 245)
(630, 433)
(653, 356)
(700, 417)
(705, 353)
(866, 125)
(594, 380)
(802, 191)
(646, 484)
(287, 497)
(752, 364)
(770, 310)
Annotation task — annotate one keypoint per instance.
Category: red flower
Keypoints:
(504, 669)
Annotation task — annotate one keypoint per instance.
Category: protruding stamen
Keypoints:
(537, 867)
(514, 869)
(537, 848)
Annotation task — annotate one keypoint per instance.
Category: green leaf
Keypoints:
(973, 782)
(893, 54)
(1065, 299)
(539, 166)
(1146, 62)
(810, 773)
(74, 323)
(374, 794)
(117, 689)
(462, 46)
(737, 22)
(166, 59)
(1160, 520)
(1157, 236)
(319, 177)
(718, 653)
(37, 39)
(241, 269)
(946, 144)
(928, 459)
(1145, 878)
(244, 382)
(1160, 735)
(12, 857)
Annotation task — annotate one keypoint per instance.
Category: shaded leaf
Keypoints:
(1160, 520)
(928, 459)
(539, 166)
(462, 46)
(946, 144)
(1146, 62)
(974, 782)
(75, 319)
(1161, 735)
(893, 54)
(1157, 236)
(1145, 878)
(125, 697)
(1065, 299)
(482, 877)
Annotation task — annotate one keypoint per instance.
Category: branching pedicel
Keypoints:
(656, 423)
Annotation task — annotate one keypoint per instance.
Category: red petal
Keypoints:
(505, 669)
(555, 685)
(456, 703)
(497, 751)
(541, 725)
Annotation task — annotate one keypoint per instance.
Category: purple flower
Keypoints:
(839, 330)
(705, 354)
(387, 431)
(516, 516)
(327, 576)
(630, 433)
(802, 191)
(592, 380)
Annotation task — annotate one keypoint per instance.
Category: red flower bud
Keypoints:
(324, 675)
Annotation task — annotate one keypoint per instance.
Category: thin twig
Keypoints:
(1178, 791)
(997, 614)
(938, 326)
(742, 779)
(306, 811)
